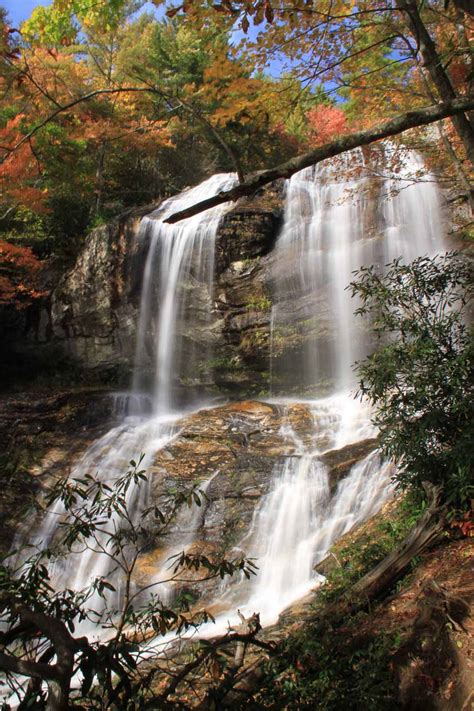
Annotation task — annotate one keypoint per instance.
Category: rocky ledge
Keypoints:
(232, 453)
(94, 309)
(41, 437)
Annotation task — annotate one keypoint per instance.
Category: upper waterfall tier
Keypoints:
(199, 307)
(338, 216)
(178, 256)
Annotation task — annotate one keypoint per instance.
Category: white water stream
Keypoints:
(325, 236)
(301, 517)
(334, 224)
(177, 254)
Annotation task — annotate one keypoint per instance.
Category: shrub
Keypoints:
(420, 378)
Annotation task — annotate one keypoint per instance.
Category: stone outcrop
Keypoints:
(248, 231)
(94, 308)
(232, 453)
(41, 437)
(94, 312)
(341, 461)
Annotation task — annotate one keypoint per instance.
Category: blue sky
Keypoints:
(19, 10)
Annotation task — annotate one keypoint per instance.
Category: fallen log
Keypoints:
(425, 533)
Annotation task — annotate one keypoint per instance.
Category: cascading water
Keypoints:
(106, 459)
(303, 514)
(175, 255)
(331, 227)
(325, 237)
(300, 518)
(411, 212)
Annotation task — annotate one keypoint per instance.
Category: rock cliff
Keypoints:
(94, 311)
(224, 330)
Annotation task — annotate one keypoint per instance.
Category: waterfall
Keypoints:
(303, 514)
(324, 238)
(107, 459)
(299, 521)
(330, 229)
(332, 225)
(412, 218)
(177, 255)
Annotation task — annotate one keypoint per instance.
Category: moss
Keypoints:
(259, 302)
(366, 550)
(222, 364)
(254, 340)
(466, 233)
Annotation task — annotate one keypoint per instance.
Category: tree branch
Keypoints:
(36, 670)
(53, 629)
(66, 107)
(440, 78)
(423, 535)
(402, 122)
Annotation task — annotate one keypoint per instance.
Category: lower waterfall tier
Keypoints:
(281, 481)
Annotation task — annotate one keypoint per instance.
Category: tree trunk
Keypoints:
(99, 180)
(456, 161)
(440, 78)
(58, 696)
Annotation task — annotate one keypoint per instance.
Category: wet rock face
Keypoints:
(231, 452)
(233, 446)
(95, 308)
(243, 302)
(41, 437)
(249, 230)
(243, 306)
(224, 331)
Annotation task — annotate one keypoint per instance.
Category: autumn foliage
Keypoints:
(103, 107)
(325, 122)
(19, 169)
(19, 275)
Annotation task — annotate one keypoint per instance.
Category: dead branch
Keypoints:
(399, 124)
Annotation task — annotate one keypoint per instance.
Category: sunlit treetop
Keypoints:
(60, 22)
